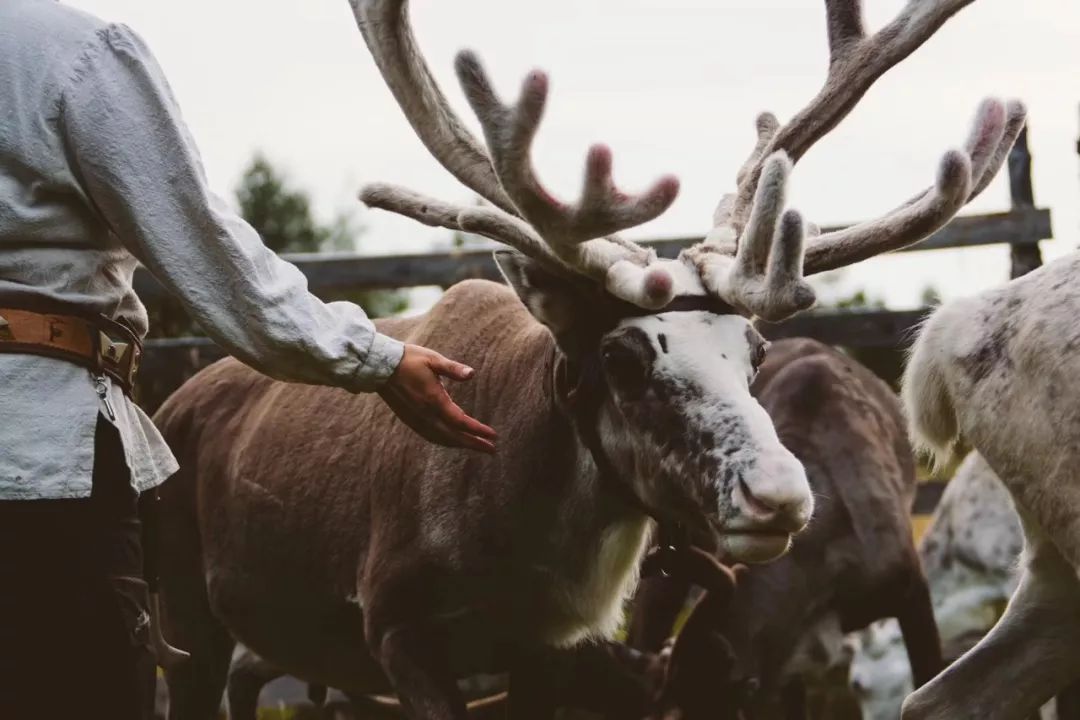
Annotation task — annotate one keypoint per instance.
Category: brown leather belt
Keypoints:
(102, 346)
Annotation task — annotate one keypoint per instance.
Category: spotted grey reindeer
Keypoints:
(307, 524)
(998, 372)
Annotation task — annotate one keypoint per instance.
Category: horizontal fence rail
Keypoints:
(168, 363)
(337, 272)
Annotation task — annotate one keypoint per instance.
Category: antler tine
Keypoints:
(856, 61)
(902, 227)
(403, 201)
(564, 237)
(577, 234)
(767, 125)
(764, 278)
(1015, 119)
(571, 237)
(510, 130)
(385, 27)
(487, 221)
(961, 176)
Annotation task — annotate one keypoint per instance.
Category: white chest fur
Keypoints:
(591, 606)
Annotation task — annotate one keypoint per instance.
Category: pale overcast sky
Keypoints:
(671, 85)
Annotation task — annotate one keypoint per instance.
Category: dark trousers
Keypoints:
(74, 622)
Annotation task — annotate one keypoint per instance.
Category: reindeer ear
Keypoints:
(560, 301)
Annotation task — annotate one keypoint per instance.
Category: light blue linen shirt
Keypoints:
(97, 174)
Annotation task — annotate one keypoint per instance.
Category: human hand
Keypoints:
(416, 395)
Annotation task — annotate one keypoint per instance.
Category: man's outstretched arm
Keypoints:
(140, 169)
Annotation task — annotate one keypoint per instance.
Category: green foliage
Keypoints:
(280, 213)
(930, 296)
(282, 216)
(858, 300)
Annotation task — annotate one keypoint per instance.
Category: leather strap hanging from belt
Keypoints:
(102, 346)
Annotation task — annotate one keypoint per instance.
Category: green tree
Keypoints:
(280, 213)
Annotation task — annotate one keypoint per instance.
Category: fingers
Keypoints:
(455, 423)
(418, 397)
(460, 439)
(442, 422)
(459, 420)
(449, 368)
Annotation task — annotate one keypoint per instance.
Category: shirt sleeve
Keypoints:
(140, 168)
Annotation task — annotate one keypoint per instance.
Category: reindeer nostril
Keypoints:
(756, 504)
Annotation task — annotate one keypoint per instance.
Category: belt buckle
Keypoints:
(119, 357)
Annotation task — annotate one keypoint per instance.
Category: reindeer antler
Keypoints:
(765, 275)
(524, 215)
(962, 175)
(756, 256)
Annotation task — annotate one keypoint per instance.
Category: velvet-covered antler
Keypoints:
(754, 258)
(757, 254)
(522, 214)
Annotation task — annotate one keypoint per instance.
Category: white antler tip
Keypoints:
(375, 194)
(766, 123)
(659, 286)
(778, 162)
(651, 288)
(667, 189)
(471, 75)
(466, 60)
(992, 106)
(805, 297)
(1016, 108)
(598, 161)
(537, 81)
(954, 171)
(791, 223)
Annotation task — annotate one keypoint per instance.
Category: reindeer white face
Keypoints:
(676, 418)
(680, 422)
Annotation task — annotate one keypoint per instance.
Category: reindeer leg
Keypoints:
(920, 632)
(414, 659)
(248, 674)
(1030, 654)
(1068, 702)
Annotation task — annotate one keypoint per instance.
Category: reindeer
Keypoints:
(969, 553)
(856, 561)
(996, 372)
(310, 526)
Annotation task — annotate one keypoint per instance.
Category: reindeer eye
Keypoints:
(627, 362)
(624, 368)
(757, 354)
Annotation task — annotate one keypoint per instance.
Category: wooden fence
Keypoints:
(168, 362)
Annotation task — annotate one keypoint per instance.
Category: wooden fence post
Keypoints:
(1025, 258)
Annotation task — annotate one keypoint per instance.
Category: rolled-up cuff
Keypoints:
(383, 358)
